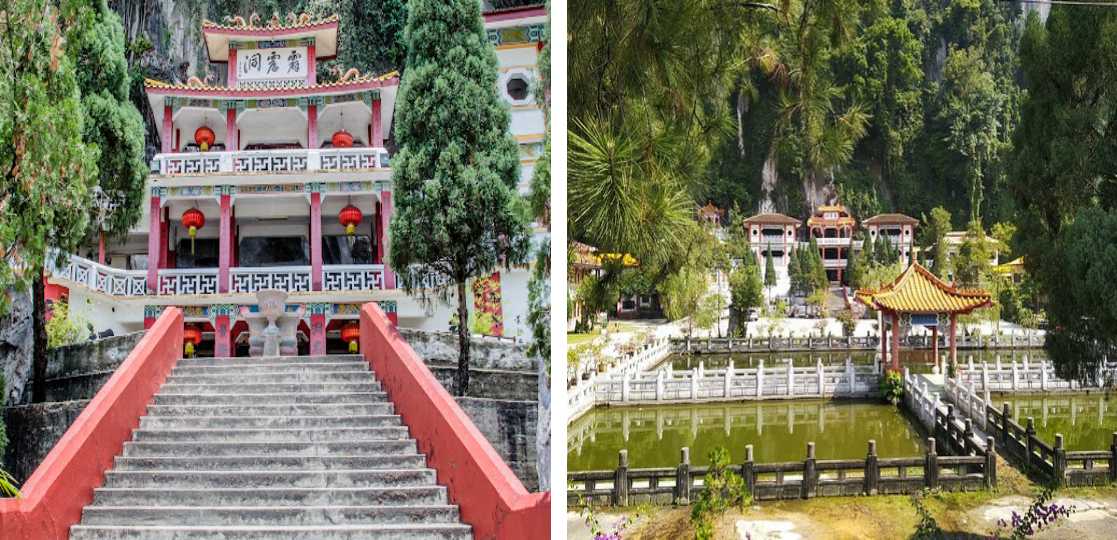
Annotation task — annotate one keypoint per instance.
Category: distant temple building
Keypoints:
(831, 227)
(277, 181)
(898, 228)
(711, 215)
(776, 233)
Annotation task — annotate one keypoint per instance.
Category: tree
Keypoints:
(48, 169)
(684, 296)
(746, 290)
(769, 271)
(935, 227)
(457, 212)
(972, 266)
(371, 38)
(795, 271)
(855, 264)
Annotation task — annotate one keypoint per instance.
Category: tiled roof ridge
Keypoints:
(300, 23)
(152, 83)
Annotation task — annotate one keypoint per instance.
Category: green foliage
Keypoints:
(927, 528)
(48, 168)
(724, 489)
(65, 329)
(892, 387)
(595, 295)
(457, 211)
(769, 270)
(848, 322)
(370, 38)
(745, 290)
(684, 294)
(971, 265)
(935, 227)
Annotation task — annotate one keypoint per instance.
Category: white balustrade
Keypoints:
(101, 278)
(295, 160)
(353, 277)
(284, 278)
(188, 281)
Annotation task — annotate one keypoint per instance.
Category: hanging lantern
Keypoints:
(350, 217)
(191, 337)
(205, 138)
(193, 219)
(342, 139)
(351, 333)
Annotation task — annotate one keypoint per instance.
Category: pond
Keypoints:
(918, 360)
(1087, 421)
(778, 431)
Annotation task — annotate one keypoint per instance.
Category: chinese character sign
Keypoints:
(271, 64)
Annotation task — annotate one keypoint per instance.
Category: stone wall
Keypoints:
(15, 346)
(32, 432)
(510, 426)
(78, 371)
(485, 353)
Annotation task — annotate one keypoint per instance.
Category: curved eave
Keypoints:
(217, 37)
(515, 13)
(881, 299)
(163, 89)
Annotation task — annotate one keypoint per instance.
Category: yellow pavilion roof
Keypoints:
(917, 290)
(1014, 266)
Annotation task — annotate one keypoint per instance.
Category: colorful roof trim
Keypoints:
(290, 23)
(818, 218)
(152, 84)
(773, 218)
(890, 219)
(917, 290)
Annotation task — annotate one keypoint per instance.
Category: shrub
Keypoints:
(62, 329)
(892, 387)
(724, 489)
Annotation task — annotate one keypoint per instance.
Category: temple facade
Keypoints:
(277, 182)
(831, 227)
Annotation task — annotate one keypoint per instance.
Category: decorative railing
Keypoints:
(731, 384)
(939, 418)
(582, 396)
(1014, 340)
(1026, 376)
(285, 278)
(832, 241)
(788, 480)
(188, 281)
(272, 161)
(352, 277)
(101, 278)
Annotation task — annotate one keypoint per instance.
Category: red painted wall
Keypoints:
(63, 484)
(490, 497)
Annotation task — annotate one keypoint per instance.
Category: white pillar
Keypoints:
(694, 384)
(760, 380)
(624, 388)
(821, 378)
(790, 378)
(728, 379)
(1043, 375)
(1015, 375)
(659, 386)
(851, 375)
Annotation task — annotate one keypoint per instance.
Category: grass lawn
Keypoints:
(580, 338)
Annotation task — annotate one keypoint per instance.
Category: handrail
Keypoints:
(490, 497)
(63, 484)
(287, 160)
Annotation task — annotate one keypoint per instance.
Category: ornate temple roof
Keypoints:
(819, 216)
(237, 30)
(290, 22)
(890, 219)
(152, 84)
(917, 290)
(773, 218)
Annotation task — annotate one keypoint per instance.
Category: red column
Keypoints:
(953, 339)
(896, 341)
(222, 337)
(232, 75)
(312, 126)
(311, 65)
(386, 242)
(153, 244)
(101, 247)
(317, 334)
(883, 342)
(167, 136)
(149, 321)
(232, 138)
(315, 241)
(225, 245)
(377, 130)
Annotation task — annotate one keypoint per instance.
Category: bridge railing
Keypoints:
(805, 479)
(1054, 462)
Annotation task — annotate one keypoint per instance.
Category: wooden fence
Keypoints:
(1054, 462)
(789, 480)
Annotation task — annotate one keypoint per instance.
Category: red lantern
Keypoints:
(193, 219)
(191, 337)
(351, 333)
(205, 138)
(350, 217)
(342, 139)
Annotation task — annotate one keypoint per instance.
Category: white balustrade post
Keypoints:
(659, 386)
(1043, 375)
(1015, 375)
(624, 387)
(851, 375)
(728, 379)
(790, 378)
(701, 368)
(821, 378)
(760, 379)
(694, 384)
(969, 365)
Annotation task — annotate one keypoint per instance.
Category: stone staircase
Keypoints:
(289, 447)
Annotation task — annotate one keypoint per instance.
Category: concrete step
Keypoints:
(307, 409)
(368, 385)
(280, 377)
(272, 360)
(271, 435)
(270, 399)
(313, 532)
(270, 497)
(317, 367)
(278, 463)
(254, 479)
(267, 422)
(270, 449)
(248, 515)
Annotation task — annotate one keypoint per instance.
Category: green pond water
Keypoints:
(778, 431)
(1087, 421)
(917, 360)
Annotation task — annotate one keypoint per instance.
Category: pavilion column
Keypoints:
(312, 126)
(222, 336)
(231, 78)
(155, 226)
(883, 340)
(232, 135)
(953, 339)
(311, 65)
(225, 244)
(315, 241)
(377, 130)
(935, 343)
(167, 137)
(896, 340)
(385, 237)
(317, 333)
(101, 247)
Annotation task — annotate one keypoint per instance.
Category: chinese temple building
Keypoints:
(275, 181)
(918, 297)
(897, 228)
(776, 233)
(831, 227)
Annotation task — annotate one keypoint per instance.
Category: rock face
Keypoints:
(15, 347)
